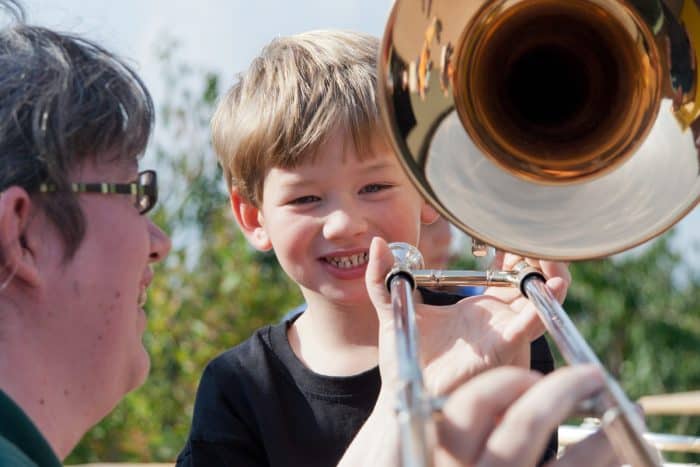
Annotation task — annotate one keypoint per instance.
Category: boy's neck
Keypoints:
(334, 340)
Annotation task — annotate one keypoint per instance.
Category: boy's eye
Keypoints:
(374, 188)
(305, 199)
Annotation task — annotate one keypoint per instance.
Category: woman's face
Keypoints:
(97, 320)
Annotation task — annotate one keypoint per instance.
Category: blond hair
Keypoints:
(295, 93)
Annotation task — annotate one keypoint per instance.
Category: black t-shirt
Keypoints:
(258, 405)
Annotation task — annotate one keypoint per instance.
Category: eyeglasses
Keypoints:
(144, 189)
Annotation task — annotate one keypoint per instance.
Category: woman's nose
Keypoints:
(160, 243)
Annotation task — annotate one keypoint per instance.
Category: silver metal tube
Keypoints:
(620, 420)
(414, 409)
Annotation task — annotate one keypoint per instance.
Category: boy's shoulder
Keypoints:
(243, 355)
(264, 359)
(266, 362)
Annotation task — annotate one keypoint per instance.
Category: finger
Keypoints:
(556, 269)
(558, 277)
(525, 326)
(594, 450)
(556, 273)
(473, 409)
(380, 262)
(559, 288)
(527, 425)
(511, 260)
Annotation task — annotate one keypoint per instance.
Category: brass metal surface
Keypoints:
(556, 130)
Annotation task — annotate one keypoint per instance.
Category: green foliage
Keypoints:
(214, 290)
(641, 320)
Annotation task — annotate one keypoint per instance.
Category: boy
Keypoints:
(311, 177)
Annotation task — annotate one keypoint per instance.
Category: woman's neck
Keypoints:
(53, 408)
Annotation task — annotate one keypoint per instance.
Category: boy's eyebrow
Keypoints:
(380, 165)
(294, 183)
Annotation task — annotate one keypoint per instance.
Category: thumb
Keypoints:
(381, 260)
(380, 263)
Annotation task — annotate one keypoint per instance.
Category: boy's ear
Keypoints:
(19, 235)
(250, 220)
(428, 214)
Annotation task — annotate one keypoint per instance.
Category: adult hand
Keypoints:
(458, 341)
(504, 417)
(558, 280)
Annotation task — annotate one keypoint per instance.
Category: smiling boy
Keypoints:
(311, 178)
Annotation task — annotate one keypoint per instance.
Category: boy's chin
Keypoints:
(358, 297)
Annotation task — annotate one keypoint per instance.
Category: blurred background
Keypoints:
(639, 311)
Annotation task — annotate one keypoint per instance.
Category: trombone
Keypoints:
(561, 130)
(619, 418)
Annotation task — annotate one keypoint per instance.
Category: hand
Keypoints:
(505, 416)
(457, 342)
(558, 280)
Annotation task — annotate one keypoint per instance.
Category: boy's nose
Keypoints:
(344, 222)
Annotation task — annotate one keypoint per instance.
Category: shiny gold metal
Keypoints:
(554, 129)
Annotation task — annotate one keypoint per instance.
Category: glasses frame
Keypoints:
(144, 189)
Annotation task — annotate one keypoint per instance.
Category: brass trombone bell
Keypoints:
(560, 130)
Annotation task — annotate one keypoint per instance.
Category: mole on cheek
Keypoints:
(76, 288)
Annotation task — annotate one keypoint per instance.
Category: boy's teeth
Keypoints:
(345, 262)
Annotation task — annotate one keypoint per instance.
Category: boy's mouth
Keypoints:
(347, 262)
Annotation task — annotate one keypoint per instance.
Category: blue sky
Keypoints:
(224, 35)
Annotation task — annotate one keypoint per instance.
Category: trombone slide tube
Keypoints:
(414, 408)
(620, 420)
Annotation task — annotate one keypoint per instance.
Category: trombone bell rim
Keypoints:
(533, 200)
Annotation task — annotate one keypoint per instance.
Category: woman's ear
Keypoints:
(18, 235)
(250, 220)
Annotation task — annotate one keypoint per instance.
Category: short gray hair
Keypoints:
(64, 101)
